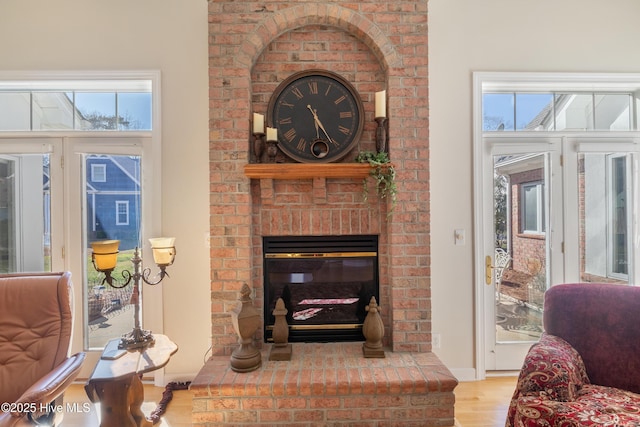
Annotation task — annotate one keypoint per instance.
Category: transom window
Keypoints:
(88, 105)
(558, 111)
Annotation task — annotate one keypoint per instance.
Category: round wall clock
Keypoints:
(318, 115)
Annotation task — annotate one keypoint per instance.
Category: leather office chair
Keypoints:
(35, 333)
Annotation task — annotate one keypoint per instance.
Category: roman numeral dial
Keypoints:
(318, 114)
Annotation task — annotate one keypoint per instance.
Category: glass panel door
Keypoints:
(605, 210)
(112, 209)
(522, 242)
(25, 213)
(521, 245)
(111, 187)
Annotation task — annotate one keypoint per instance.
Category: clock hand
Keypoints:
(319, 123)
(315, 122)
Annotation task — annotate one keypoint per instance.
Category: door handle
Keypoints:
(488, 270)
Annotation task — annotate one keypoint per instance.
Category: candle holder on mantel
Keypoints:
(257, 129)
(381, 118)
(272, 150)
(272, 141)
(381, 135)
(258, 146)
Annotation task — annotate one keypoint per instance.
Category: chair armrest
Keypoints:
(52, 385)
(554, 368)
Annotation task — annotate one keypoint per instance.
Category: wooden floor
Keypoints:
(178, 410)
(484, 403)
(478, 404)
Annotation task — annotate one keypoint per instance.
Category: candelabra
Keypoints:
(104, 258)
(381, 119)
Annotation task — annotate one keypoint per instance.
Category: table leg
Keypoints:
(120, 402)
(136, 394)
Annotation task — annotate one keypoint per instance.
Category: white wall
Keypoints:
(165, 35)
(497, 35)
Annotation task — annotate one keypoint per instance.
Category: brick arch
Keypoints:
(280, 22)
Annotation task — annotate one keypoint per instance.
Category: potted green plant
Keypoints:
(383, 173)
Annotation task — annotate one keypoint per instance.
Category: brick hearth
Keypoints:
(327, 384)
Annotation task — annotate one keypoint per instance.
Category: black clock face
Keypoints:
(318, 115)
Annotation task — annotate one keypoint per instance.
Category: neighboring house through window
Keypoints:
(99, 173)
(122, 212)
(532, 202)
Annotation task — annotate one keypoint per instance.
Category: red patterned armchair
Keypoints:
(585, 370)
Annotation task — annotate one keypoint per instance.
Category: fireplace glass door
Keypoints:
(325, 285)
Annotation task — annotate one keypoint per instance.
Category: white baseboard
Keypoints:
(464, 374)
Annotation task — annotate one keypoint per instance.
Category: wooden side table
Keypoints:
(115, 381)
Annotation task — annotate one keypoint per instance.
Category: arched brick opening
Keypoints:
(319, 14)
(234, 51)
(414, 387)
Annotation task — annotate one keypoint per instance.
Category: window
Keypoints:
(588, 125)
(69, 105)
(532, 200)
(557, 111)
(122, 212)
(53, 210)
(99, 173)
(618, 226)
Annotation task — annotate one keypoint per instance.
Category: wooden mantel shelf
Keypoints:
(306, 170)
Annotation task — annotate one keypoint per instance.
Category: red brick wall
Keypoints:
(320, 46)
(528, 250)
(375, 45)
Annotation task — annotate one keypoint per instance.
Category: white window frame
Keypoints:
(99, 172)
(119, 205)
(68, 252)
(540, 220)
(627, 140)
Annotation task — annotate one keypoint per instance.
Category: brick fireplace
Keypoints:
(376, 45)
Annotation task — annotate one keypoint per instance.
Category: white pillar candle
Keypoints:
(272, 134)
(381, 103)
(258, 123)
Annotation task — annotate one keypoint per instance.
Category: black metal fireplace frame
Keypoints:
(319, 248)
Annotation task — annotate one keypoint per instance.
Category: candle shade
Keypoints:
(105, 254)
(164, 251)
(381, 103)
